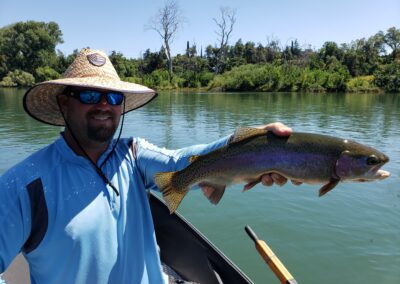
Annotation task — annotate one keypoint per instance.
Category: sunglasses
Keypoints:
(90, 97)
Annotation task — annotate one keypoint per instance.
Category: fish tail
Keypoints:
(172, 196)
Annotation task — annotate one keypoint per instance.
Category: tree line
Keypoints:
(28, 55)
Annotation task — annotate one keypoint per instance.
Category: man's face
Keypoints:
(91, 122)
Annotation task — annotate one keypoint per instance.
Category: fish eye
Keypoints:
(372, 160)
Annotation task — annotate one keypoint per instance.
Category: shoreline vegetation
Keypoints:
(28, 55)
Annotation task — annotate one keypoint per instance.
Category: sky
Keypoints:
(119, 25)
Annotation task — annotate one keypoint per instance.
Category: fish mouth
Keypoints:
(378, 172)
(374, 174)
(382, 174)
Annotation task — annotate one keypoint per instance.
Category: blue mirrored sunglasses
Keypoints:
(94, 97)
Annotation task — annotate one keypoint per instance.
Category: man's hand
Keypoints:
(268, 179)
(277, 128)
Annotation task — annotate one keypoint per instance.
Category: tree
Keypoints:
(250, 52)
(388, 77)
(330, 49)
(152, 61)
(28, 45)
(18, 78)
(225, 27)
(64, 61)
(124, 67)
(211, 56)
(166, 23)
(272, 49)
(392, 39)
(362, 56)
(46, 73)
(236, 55)
(293, 51)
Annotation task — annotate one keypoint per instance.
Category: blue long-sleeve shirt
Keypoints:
(71, 227)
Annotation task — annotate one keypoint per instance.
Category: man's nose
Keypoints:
(103, 100)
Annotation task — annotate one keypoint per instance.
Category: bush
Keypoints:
(244, 78)
(388, 77)
(205, 78)
(177, 82)
(7, 82)
(160, 78)
(361, 84)
(268, 77)
(18, 78)
(190, 80)
(313, 80)
(46, 73)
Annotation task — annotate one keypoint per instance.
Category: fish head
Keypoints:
(361, 163)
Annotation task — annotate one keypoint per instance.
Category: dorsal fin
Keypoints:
(246, 132)
(193, 158)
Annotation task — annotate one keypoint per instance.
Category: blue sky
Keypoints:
(119, 25)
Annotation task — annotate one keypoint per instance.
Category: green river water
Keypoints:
(351, 235)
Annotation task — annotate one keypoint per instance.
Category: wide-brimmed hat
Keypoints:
(91, 68)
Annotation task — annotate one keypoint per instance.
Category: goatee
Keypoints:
(101, 133)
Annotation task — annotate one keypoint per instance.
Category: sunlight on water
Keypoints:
(351, 235)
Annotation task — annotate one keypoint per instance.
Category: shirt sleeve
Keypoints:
(15, 217)
(152, 159)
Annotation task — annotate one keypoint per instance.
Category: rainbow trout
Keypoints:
(251, 153)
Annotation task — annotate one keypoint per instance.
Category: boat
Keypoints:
(188, 252)
(187, 255)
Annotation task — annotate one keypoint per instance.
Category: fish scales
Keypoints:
(305, 157)
(264, 154)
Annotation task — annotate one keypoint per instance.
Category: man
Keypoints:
(78, 208)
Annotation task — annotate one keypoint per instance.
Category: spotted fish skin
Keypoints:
(251, 153)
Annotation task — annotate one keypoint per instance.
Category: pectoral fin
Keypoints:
(328, 187)
(250, 185)
(217, 192)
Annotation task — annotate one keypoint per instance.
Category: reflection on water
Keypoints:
(352, 235)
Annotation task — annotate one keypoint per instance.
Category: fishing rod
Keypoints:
(270, 258)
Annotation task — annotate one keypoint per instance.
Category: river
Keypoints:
(351, 235)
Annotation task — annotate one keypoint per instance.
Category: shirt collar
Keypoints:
(71, 156)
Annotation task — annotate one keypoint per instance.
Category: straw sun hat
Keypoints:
(91, 68)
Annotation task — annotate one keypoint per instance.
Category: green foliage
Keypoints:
(362, 84)
(205, 78)
(362, 57)
(330, 49)
(152, 61)
(18, 78)
(388, 77)
(191, 70)
(158, 78)
(28, 45)
(124, 67)
(392, 39)
(313, 80)
(64, 61)
(28, 48)
(268, 77)
(8, 82)
(46, 73)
